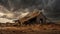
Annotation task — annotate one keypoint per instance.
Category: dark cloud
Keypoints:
(51, 7)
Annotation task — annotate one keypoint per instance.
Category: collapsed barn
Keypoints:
(36, 17)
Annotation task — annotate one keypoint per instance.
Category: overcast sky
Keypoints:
(51, 7)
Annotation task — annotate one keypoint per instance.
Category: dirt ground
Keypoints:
(32, 29)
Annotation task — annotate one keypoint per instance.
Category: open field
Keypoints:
(32, 29)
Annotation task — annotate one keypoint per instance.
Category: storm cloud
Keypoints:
(51, 7)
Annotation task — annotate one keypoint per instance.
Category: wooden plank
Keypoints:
(28, 17)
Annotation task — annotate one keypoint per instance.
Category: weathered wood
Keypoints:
(28, 17)
(34, 15)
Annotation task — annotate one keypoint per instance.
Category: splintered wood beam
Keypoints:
(28, 17)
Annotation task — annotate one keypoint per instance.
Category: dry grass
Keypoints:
(36, 27)
(32, 29)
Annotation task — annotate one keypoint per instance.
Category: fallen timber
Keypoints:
(32, 16)
(29, 16)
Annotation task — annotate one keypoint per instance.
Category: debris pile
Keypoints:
(35, 17)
